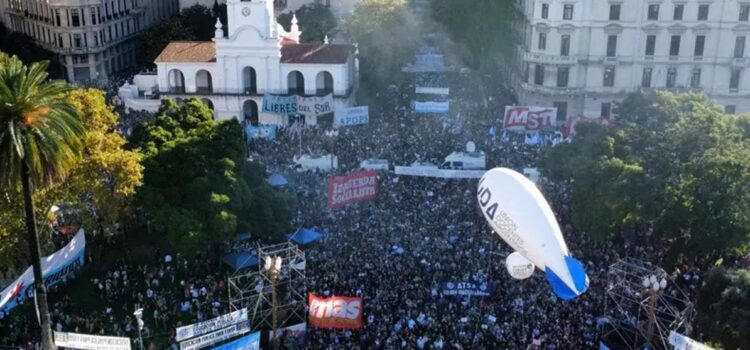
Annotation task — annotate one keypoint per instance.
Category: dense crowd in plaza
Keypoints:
(395, 252)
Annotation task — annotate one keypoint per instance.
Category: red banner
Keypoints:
(334, 312)
(353, 188)
(529, 118)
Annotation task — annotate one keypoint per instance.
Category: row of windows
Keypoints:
(607, 109)
(608, 78)
(674, 45)
(653, 12)
(74, 17)
(77, 40)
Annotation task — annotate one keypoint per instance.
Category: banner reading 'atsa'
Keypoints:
(353, 188)
(335, 312)
(529, 118)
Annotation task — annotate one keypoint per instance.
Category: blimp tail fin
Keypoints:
(580, 280)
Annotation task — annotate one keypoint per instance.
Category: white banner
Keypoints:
(433, 91)
(439, 173)
(314, 105)
(354, 116)
(431, 107)
(681, 342)
(55, 268)
(215, 337)
(90, 342)
(297, 331)
(211, 325)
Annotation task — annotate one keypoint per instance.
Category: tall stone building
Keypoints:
(582, 56)
(93, 38)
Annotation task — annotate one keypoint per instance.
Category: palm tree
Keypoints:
(40, 138)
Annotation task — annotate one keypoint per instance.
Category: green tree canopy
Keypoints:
(100, 182)
(675, 164)
(198, 187)
(724, 308)
(315, 21)
(40, 140)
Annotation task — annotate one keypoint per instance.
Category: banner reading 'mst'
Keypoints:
(353, 188)
(529, 118)
(335, 312)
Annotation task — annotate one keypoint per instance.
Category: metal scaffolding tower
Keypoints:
(254, 289)
(644, 305)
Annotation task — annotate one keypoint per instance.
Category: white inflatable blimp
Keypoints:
(519, 214)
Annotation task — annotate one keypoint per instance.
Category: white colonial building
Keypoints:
(257, 58)
(582, 56)
(93, 38)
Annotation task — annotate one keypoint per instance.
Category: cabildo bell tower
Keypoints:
(256, 13)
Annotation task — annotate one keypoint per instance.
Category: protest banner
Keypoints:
(571, 122)
(529, 118)
(248, 342)
(353, 116)
(439, 173)
(261, 132)
(335, 312)
(353, 188)
(215, 337)
(55, 268)
(296, 332)
(198, 329)
(681, 342)
(90, 342)
(431, 107)
(312, 106)
(278, 104)
(467, 289)
(433, 91)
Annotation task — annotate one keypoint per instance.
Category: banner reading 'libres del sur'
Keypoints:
(293, 104)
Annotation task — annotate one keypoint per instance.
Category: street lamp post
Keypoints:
(654, 287)
(273, 268)
(332, 134)
(139, 319)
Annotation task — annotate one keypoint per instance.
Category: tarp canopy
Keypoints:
(277, 180)
(239, 261)
(305, 236)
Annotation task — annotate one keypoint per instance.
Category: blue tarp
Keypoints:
(304, 236)
(277, 180)
(239, 261)
(250, 342)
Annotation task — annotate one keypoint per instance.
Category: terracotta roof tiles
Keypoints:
(188, 51)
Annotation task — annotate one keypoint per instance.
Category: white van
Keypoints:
(316, 162)
(374, 164)
(465, 161)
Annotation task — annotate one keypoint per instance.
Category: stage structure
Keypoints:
(644, 304)
(273, 296)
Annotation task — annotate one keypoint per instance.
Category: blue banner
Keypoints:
(261, 132)
(248, 342)
(431, 107)
(280, 104)
(467, 289)
(354, 116)
(55, 268)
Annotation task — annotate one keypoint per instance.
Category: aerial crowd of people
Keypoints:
(396, 252)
